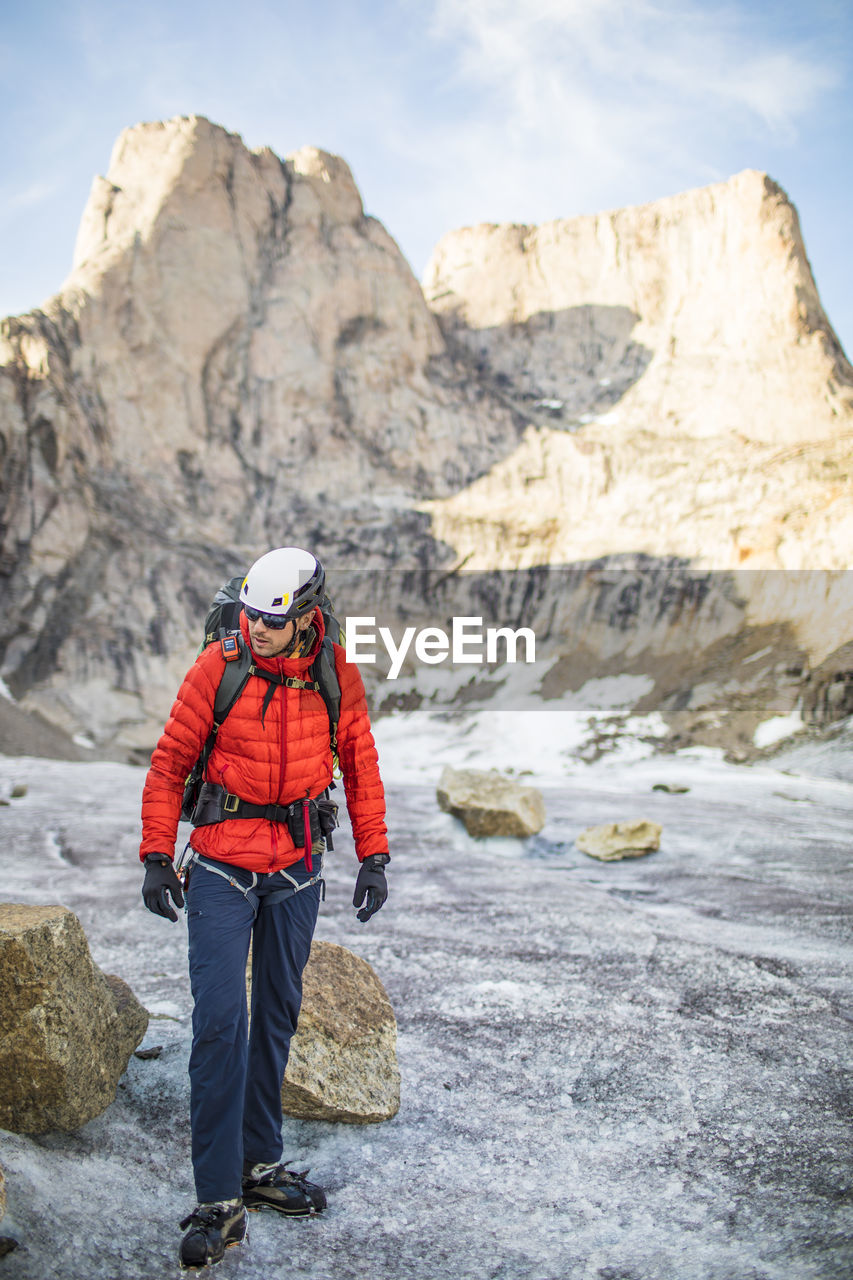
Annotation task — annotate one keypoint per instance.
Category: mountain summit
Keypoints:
(684, 389)
(241, 358)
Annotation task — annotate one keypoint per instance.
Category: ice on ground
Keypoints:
(635, 1070)
(831, 756)
(540, 744)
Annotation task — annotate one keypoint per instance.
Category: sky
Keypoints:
(449, 112)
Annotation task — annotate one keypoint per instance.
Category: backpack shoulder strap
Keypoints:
(232, 681)
(235, 676)
(238, 669)
(324, 672)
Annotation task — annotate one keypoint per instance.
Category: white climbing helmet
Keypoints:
(287, 583)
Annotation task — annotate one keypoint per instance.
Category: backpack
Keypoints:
(222, 624)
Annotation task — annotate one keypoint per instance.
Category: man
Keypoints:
(255, 873)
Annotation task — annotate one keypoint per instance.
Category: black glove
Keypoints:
(160, 881)
(371, 883)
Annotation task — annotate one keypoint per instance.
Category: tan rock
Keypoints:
(613, 841)
(489, 803)
(685, 391)
(233, 325)
(343, 1058)
(237, 337)
(68, 1029)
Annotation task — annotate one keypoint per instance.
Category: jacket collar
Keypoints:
(295, 667)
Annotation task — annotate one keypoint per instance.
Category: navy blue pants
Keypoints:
(236, 1076)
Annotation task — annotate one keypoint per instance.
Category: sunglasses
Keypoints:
(274, 621)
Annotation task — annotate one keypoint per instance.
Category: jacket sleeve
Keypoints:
(186, 731)
(359, 762)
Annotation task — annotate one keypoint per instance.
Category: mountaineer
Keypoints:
(262, 820)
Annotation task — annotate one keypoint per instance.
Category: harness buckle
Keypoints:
(232, 803)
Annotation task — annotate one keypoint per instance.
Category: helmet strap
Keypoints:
(297, 643)
(293, 644)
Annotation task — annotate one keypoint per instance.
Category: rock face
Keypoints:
(343, 1058)
(241, 358)
(68, 1029)
(615, 840)
(490, 803)
(683, 389)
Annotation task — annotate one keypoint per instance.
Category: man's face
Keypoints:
(267, 642)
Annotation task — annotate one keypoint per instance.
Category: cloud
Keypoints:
(449, 111)
(634, 48)
(610, 88)
(27, 197)
(17, 202)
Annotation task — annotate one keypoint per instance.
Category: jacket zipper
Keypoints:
(283, 759)
(283, 743)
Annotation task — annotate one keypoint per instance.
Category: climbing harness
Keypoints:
(256, 901)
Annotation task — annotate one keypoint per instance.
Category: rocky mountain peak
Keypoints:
(682, 384)
(715, 279)
(241, 358)
(188, 174)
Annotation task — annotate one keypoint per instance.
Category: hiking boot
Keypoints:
(213, 1228)
(272, 1186)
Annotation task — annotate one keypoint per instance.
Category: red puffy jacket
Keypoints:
(276, 759)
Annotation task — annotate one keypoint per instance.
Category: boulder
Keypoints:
(615, 840)
(7, 1244)
(343, 1058)
(68, 1029)
(489, 803)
